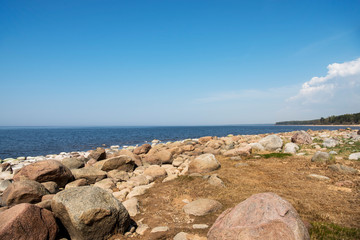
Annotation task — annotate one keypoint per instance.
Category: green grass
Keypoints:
(330, 231)
(346, 149)
(276, 155)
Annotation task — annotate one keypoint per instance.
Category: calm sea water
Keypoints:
(35, 141)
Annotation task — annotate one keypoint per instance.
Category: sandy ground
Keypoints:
(315, 200)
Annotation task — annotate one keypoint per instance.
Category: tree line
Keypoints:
(346, 119)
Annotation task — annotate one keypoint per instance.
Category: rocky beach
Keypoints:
(289, 185)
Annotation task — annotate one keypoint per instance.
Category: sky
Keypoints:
(177, 62)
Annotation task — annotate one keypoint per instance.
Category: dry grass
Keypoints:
(315, 201)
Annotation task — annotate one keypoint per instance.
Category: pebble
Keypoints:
(160, 229)
(200, 226)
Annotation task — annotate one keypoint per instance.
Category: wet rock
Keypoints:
(301, 137)
(204, 163)
(90, 213)
(27, 221)
(91, 174)
(46, 171)
(27, 191)
(271, 142)
(202, 207)
(262, 216)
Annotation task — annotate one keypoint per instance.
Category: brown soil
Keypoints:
(320, 201)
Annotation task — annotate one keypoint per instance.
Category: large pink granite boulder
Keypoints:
(262, 216)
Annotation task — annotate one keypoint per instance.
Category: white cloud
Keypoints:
(340, 76)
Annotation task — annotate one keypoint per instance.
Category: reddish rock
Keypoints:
(301, 137)
(143, 149)
(98, 154)
(160, 157)
(262, 216)
(27, 191)
(242, 151)
(188, 148)
(133, 156)
(204, 140)
(27, 221)
(122, 162)
(45, 171)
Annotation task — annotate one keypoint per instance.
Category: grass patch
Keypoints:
(330, 231)
(276, 155)
(318, 141)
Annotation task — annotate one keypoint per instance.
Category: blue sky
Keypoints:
(177, 62)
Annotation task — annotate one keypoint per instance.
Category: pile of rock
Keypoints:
(93, 194)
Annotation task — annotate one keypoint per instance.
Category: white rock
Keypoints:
(291, 148)
(160, 229)
(354, 156)
(319, 177)
(200, 226)
(329, 142)
(132, 206)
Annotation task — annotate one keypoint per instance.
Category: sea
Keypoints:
(40, 141)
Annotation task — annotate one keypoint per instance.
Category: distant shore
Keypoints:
(319, 125)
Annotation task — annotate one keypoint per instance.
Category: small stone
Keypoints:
(319, 177)
(202, 207)
(200, 226)
(141, 229)
(160, 229)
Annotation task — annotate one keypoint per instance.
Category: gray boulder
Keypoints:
(291, 148)
(321, 157)
(90, 213)
(271, 142)
(342, 169)
(329, 142)
(354, 156)
(73, 163)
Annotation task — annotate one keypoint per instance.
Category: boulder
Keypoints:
(72, 163)
(27, 221)
(91, 174)
(52, 187)
(321, 157)
(155, 171)
(132, 206)
(122, 162)
(118, 175)
(98, 154)
(301, 137)
(45, 171)
(27, 191)
(202, 207)
(342, 168)
(329, 143)
(77, 183)
(90, 213)
(133, 156)
(204, 163)
(241, 151)
(143, 149)
(271, 142)
(204, 140)
(291, 148)
(107, 184)
(256, 147)
(262, 216)
(158, 157)
(4, 184)
(354, 156)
